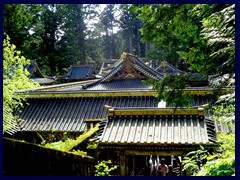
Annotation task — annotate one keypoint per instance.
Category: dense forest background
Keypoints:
(60, 35)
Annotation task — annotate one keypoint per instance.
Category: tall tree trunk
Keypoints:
(113, 47)
(130, 41)
(138, 40)
(146, 49)
(49, 39)
(52, 66)
(108, 45)
(139, 46)
(81, 40)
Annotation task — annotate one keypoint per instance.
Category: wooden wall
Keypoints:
(26, 159)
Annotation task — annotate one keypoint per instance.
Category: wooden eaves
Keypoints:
(88, 93)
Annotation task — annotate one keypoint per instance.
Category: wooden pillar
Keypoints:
(88, 126)
(134, 166)
(127, 169)
(122, 163)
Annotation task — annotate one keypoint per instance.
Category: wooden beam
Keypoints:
(92, 120)
(46, 93)
(64, 94)
(155, 111)
(155, 152)
(57, 86)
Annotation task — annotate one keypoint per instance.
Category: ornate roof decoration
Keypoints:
(129, 66)
(126, 68)
(37, 76)
(167, 68)
(34, 70)
(107, 66)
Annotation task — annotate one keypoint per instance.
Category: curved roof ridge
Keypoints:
(134, 60)
(129, 66)
(142, 65)
(167, 64)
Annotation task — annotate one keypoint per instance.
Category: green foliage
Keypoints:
(220, 164)
(189, 164)
(92, 146)
(170, 89)
(16, 24)
(53, 34)
(108, 21)
(192, 160)
(219, 31)
(224, 108)
(227, 144)
(63, 146)
(103, 169)
(15, 78)
(219, 167)
(224, 165)
(206, 43)
(162, 24)
(60, 35)
(131, 36)
(69, 144)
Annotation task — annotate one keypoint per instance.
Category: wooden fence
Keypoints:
(26, 159)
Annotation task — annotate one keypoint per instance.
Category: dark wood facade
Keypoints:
(132, 133)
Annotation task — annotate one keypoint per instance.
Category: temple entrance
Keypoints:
(147, 165)
(141, 163)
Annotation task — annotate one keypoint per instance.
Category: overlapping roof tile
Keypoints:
(68, 114)
(80, 72)
(127, 69)
(160, 129)
(167, 68)
(36, 75)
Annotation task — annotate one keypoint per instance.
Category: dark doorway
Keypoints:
(140, 165)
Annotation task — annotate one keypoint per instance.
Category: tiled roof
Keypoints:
(31, 68)
(107, 66)
(37, 76)
(120, 84)
(70, 86)
(128, 67)
(43, 80)
(159, 129)
(68, 114)
(197, 77)
(34, 70)
(167, 68)
(80, 72)
(226, 127)
(136, 64)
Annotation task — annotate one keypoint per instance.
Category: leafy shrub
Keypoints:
(102, 168)
(225, 164)
(219, 167)
(193, 159)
